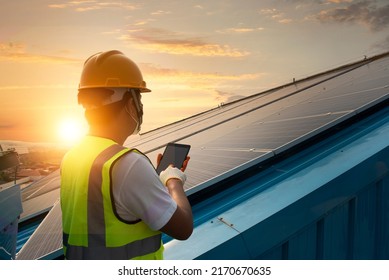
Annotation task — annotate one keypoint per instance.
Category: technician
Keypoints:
(114, 205)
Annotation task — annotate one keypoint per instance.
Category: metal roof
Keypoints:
(236, 136)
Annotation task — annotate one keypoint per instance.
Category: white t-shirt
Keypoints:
(139, 193)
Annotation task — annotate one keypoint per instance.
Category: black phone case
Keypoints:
(174, 154)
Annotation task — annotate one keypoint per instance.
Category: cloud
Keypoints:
(160, 12)
(240, 30)
(29, 87)
(7, 126)
(165, 74)
(314, 2)
(164, 41)
(17, 52)
(275, 15)
(338, 1)
(222, 96)
(376, 18)
(175, 80)
(90, 5)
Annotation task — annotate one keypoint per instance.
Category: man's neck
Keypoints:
(106, 133)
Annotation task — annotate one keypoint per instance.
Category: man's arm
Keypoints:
(180, 225)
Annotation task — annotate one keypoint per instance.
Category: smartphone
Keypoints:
(174, 154)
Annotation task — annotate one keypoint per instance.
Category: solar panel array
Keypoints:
(246, 132)
(40, 196)
(46, 241)
(235, 136)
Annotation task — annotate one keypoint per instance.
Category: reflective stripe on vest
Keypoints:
(96, 222)
(129, 251)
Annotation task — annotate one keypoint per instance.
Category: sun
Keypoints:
(70, 131)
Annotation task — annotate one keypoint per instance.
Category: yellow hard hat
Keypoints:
(111, 69)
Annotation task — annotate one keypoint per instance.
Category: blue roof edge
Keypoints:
(256, 206)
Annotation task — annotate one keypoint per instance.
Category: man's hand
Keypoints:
(184, 165)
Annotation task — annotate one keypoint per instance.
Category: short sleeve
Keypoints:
(139, 193)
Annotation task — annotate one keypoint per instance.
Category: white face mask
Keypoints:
(139, 110)
(137, 128)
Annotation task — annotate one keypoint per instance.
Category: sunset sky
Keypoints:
(193, 54)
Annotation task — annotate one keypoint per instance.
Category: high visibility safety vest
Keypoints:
(91, 227)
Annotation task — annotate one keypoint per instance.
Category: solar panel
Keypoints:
(46, 241)
(40, 196)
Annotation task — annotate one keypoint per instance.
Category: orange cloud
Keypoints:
(339, 1)
(207, 83)
(160, 12)
(240, 30)
(187, 76)
(163, 41)
(89, 5)
(35, 87)
(17, 52)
